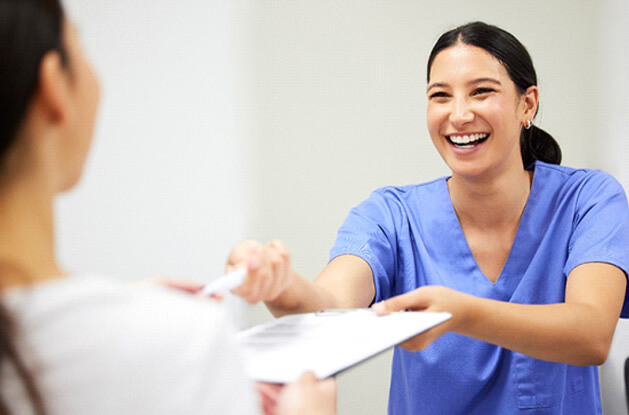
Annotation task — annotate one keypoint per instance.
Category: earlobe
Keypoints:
(52, 95)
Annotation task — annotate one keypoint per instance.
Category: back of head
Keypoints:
(28, 29)
(535, 143)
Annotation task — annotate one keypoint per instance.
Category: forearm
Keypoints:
(301, 296)
(346, 282)
(576, 334)
(577, 331)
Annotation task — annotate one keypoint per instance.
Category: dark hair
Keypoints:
(535, 143)
(28, 30)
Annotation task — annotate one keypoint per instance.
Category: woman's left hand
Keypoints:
(190, 287)
(429, 298)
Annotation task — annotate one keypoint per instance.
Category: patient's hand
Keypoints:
(269, 394)
(190, 287)
(308, 396)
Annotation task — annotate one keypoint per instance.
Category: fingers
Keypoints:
(239, 256)
(414, 300)
(269, 270)
(269, 394)
(425, 339)
(281, 265)
(308, 396)
(427, 298)
(191, 287)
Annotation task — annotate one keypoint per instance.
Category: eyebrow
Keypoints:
(473, 82)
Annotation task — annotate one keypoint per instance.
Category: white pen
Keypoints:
(225, 282)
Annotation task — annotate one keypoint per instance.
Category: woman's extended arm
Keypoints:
(346, 282)
(577, 332)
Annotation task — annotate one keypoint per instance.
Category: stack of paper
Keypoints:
(327, 342)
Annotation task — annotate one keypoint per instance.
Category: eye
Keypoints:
(483, 91)
(438, 95)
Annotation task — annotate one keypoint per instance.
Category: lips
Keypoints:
(467, 140)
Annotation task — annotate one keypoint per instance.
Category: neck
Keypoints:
(27, 253)
(491, 202)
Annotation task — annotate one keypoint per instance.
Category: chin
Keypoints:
(70, 183)
(469, 170)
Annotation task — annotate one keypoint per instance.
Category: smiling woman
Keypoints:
(528, 256)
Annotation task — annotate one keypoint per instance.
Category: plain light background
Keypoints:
(271, 119)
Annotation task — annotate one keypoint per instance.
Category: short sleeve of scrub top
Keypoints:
(600, 228)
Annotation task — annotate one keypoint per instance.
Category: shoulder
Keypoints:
(86, 297)
(103, 310)
(409, 193)
(411, 189)
(134, 340)
(394, 203)
(574, 175)
(579, 182)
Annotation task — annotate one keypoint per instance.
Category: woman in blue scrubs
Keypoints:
(529, 257)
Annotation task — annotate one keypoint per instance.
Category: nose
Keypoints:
(461, 112)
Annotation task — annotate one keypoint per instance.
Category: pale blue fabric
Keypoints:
(410, 236)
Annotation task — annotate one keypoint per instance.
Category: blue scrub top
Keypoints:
(410, 236)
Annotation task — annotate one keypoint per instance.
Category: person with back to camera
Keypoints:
(529, 257)
(72, 344)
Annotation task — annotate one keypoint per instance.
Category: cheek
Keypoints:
(90, 89)
(435, 118)
(91, 85)
(501, 114)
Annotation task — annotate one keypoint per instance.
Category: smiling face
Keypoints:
(475, 112)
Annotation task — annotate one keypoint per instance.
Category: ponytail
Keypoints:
(537, 144)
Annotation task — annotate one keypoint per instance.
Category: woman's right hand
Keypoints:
(308, 396)
(269, 271)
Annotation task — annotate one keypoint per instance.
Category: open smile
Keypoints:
(467, 140)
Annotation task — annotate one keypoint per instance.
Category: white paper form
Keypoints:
(326, 343)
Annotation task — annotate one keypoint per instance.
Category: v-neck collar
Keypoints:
(517, 259)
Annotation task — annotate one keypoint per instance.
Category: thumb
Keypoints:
(409, 301)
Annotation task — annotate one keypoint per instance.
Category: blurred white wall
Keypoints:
(164, 192)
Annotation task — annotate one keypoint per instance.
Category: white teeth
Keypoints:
(466, 139)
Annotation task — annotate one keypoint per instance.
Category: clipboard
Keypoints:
(326, 342)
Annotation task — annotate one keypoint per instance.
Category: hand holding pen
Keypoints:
(269, 270)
